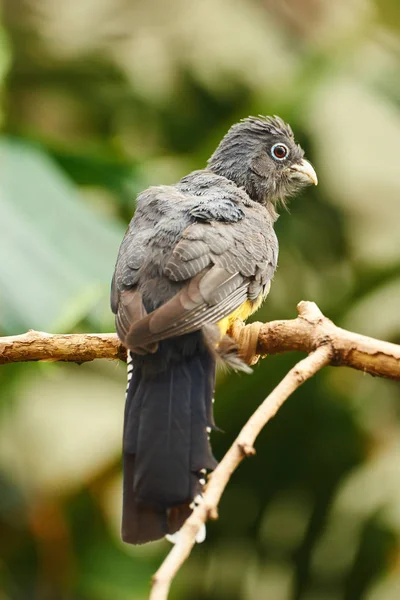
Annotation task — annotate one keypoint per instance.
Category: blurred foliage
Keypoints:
(100, 99)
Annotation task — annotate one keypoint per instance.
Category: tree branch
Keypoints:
(312, 329)
(74, 347)
(309, 331)
(242, 447)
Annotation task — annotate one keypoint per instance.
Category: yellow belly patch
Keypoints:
(242, 312)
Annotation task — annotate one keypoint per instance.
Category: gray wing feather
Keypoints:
(194, 253)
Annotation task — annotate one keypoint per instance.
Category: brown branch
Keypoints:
(310, 330)
(326, 344)
(352, 349)
(242, 446)
(74, 347)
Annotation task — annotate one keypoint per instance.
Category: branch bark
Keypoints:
(312, 329)
(242, 447)
(308, 331)
(74, 347)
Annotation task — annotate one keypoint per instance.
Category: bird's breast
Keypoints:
(242, 312)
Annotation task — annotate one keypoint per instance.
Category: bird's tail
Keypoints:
(168, 416)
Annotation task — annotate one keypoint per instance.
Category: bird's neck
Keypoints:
(246, 181)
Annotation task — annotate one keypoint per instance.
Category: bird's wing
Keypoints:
(224, 256)
(187, 311)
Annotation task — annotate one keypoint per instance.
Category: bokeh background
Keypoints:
(101, 98)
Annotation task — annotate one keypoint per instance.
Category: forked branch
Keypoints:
(310, 332)
(242, 446)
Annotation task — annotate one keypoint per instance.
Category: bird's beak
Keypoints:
(306, 171)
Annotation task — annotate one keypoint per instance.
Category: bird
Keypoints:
(196, 256)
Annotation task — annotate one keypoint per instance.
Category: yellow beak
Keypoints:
(306, 171)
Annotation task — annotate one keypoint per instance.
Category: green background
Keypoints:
(101, 98)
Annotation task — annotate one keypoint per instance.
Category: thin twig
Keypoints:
(305, 334)
(242, 446)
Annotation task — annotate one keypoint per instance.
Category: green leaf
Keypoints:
(55, 250)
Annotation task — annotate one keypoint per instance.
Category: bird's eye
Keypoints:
(279, 151)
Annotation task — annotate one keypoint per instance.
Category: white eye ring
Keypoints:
(277, 149)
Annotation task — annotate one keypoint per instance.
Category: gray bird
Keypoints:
(196, 256)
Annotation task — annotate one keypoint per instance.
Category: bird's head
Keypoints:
(260, 155)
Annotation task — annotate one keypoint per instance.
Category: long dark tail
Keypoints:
(166, 447)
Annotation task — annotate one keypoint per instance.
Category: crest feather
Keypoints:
(263, 124)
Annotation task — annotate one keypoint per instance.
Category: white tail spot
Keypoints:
(200, 536)
(129, 364)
